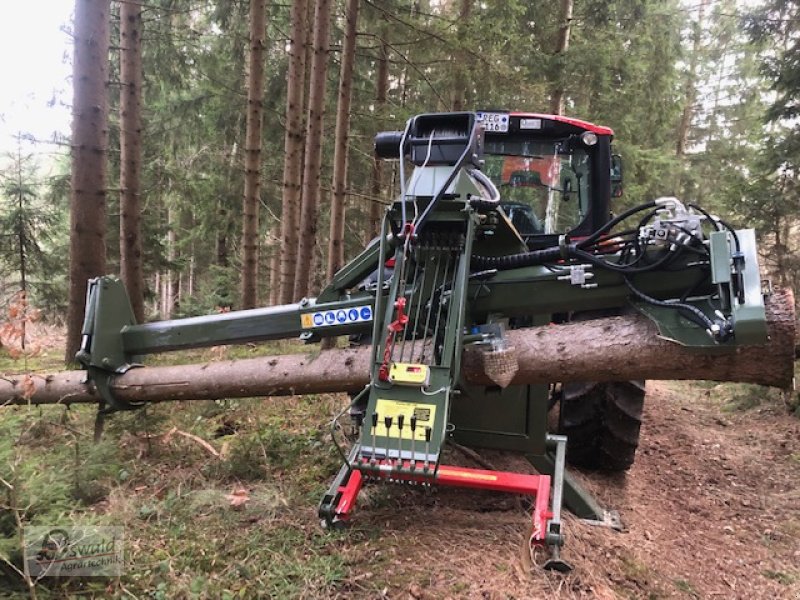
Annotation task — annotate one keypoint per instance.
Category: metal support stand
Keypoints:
(554, 537)
(580, 502)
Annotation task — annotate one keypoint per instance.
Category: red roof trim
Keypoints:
(598, 129)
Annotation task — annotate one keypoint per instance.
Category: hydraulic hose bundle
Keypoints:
(631, 256)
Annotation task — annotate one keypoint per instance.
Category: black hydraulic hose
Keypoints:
(717, 222)
(596, 235)
(704, 212)
(556, 253)
(515, 261)
(627, 269)
(482, 206)
(692, 313)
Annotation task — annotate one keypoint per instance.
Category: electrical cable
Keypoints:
(335, 422)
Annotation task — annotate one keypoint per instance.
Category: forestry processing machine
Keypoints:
(504, 222)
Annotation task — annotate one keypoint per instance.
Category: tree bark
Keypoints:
(293, 151)
(341, 138)
(130, 142)
(460, 67)
(690, 86)
(309, 207)
(274, 245)
(562, 45)
(612, 349)
(252, 153)
(381, 90)
(87, 248)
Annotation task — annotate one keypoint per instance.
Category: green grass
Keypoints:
(780, 576)
(184, 539)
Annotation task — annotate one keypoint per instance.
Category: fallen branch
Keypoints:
(190, 436)
(611, 349)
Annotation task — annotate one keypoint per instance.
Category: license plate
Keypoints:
(494, 122)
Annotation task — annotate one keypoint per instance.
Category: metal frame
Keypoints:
(112, 342)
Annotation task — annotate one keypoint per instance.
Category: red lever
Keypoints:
(395, 327)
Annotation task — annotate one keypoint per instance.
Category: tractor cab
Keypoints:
(554, 173)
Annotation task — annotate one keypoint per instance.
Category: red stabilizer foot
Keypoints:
(537, 486)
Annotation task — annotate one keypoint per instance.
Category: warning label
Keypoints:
(342, 316)
(425, 414)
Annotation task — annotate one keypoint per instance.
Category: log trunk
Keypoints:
(600, 350)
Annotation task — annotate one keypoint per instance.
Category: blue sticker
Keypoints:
(318, 319)
(366, 313)
(341, 316)
(330, 318)
(352, 315)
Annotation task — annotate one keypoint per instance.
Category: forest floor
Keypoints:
(711, 508)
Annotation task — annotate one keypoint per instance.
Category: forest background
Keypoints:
(224, 160)
(702, 97)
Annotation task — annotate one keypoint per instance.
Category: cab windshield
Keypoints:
(544, 185)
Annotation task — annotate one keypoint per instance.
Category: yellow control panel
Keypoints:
(425, 413)
(409, 374)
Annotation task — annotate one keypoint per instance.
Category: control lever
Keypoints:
(428, 432)
(400, 421)
(388, 422)
(413, 425)
(374, 430)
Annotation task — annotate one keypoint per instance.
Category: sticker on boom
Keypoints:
(341, 316)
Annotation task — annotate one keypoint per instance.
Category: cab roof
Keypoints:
(586, 125)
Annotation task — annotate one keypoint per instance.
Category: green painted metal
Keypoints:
(580, 502)
(719, 249)
(419, 270)
(749, 314)
(108, 313)
(512, 418)
(444, 301)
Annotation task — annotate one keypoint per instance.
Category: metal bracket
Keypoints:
(579, 275)
(102, 382)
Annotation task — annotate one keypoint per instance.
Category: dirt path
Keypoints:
(711, 509)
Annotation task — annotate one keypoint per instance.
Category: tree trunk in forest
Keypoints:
(690, 86)
(341, 139)
(460, 68)
(562, 45)
(309, 207)
(381, 90)
(130, 167)
(171, 281)
(274, 245)
(611, 349)
(252, 153)
(293, 151)
(223, 214)
(87, 249)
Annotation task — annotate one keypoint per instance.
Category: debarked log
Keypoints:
(610, 349)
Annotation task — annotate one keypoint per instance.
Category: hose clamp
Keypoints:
(563, 246)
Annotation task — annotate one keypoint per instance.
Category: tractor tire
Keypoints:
(602, 423)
